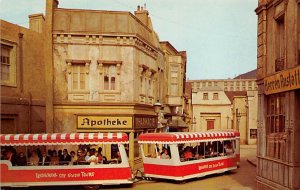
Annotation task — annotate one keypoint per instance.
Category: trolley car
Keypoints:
(184, 155)
(112, 170)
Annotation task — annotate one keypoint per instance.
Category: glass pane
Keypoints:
(113, 83)
(106, 83)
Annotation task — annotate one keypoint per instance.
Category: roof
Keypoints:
(248, 75)
(187, 137)
(62, 138)
(232, 94)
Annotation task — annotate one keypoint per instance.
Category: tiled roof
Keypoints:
(248, 75)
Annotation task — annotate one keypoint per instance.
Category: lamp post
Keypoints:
(157, 108)
(238, 118)
(194, 124)
(227, 120)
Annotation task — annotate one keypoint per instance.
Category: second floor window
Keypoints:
(216, 96)
(109, 77)
(5, 62)
(205, 96)
(78, 77)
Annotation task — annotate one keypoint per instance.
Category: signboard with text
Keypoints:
(283, 81)
(102, 122)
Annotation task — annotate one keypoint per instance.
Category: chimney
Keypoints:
(37, 22)
(142, 14)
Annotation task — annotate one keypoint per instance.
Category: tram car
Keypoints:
(185, 155)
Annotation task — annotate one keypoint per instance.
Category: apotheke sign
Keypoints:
(101, 122)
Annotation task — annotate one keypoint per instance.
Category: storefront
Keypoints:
(132, 119)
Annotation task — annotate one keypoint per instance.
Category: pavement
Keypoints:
(251, 159)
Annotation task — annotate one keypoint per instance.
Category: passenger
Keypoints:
(165, 154)
(44, 160)
(11, 156)
(99, 155)
(80, 157)
(21, 159)
(93, 160)
(188, 153)
(65, 158)
(34, 159)
(73, 158)
(54, 158)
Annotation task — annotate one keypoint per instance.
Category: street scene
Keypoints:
(131, 94)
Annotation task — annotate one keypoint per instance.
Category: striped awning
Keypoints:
(184, 137)
(62, 139)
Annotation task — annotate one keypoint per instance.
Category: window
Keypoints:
(205, 96)
(5, 62)
(78, 77)
(174, 81)
(109, 77)
(275, 126)
(8, 64)
(209, 83)
(279, 44)
(216, 96)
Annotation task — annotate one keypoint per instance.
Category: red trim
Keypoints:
(189, 169)
(187, 136)
(61, 138)
(47, 173)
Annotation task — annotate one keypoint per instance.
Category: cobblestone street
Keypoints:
(241, 179)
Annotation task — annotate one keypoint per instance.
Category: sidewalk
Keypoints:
(251, 159)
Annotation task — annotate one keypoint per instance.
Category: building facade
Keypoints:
(105, 71)
(226, 104)
(22, 78)
(278, 79)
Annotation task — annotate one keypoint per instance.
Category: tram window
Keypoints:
(229, 147)
(161, 151)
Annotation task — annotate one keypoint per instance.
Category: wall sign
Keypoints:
(145, 122)
(102, 122)
(283, 81)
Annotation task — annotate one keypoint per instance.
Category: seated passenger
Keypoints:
(11, 156)
(93, 160)
(44, 160)
(54, 158)
(21, 159)
(165, 154)
(34, 159)
(80, 157)
(65, 158)
(73, 158)
(187, 153)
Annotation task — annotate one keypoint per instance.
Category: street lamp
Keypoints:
(194, 123)
(157, 107)
(238, 118)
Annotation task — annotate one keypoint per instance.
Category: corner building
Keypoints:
(278, 79)
(104, 72)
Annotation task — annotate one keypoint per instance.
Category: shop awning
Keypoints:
(62, 139)
(186, 137)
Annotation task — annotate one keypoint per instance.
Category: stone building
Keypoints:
(226, 104)
(22, 78)
(109, 66)
(278, 79)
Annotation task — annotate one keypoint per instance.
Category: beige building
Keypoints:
(226, 104)
(90, 71)
(22, 79)
(278, 79)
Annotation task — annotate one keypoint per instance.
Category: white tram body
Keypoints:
(180, 165)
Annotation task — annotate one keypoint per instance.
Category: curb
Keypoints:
(252, 162)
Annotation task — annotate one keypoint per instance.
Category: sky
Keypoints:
(219, 36)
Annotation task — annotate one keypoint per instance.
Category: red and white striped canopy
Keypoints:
(62, 138)
(185, 137)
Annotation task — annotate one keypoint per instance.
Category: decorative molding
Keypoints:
(71, 62)
(107, 39)
(106, 62)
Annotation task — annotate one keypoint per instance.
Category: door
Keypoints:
(210, 124)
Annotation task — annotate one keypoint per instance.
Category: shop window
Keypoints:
(205, 96)
(8, 64)
(253, 133)
(275, 126)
